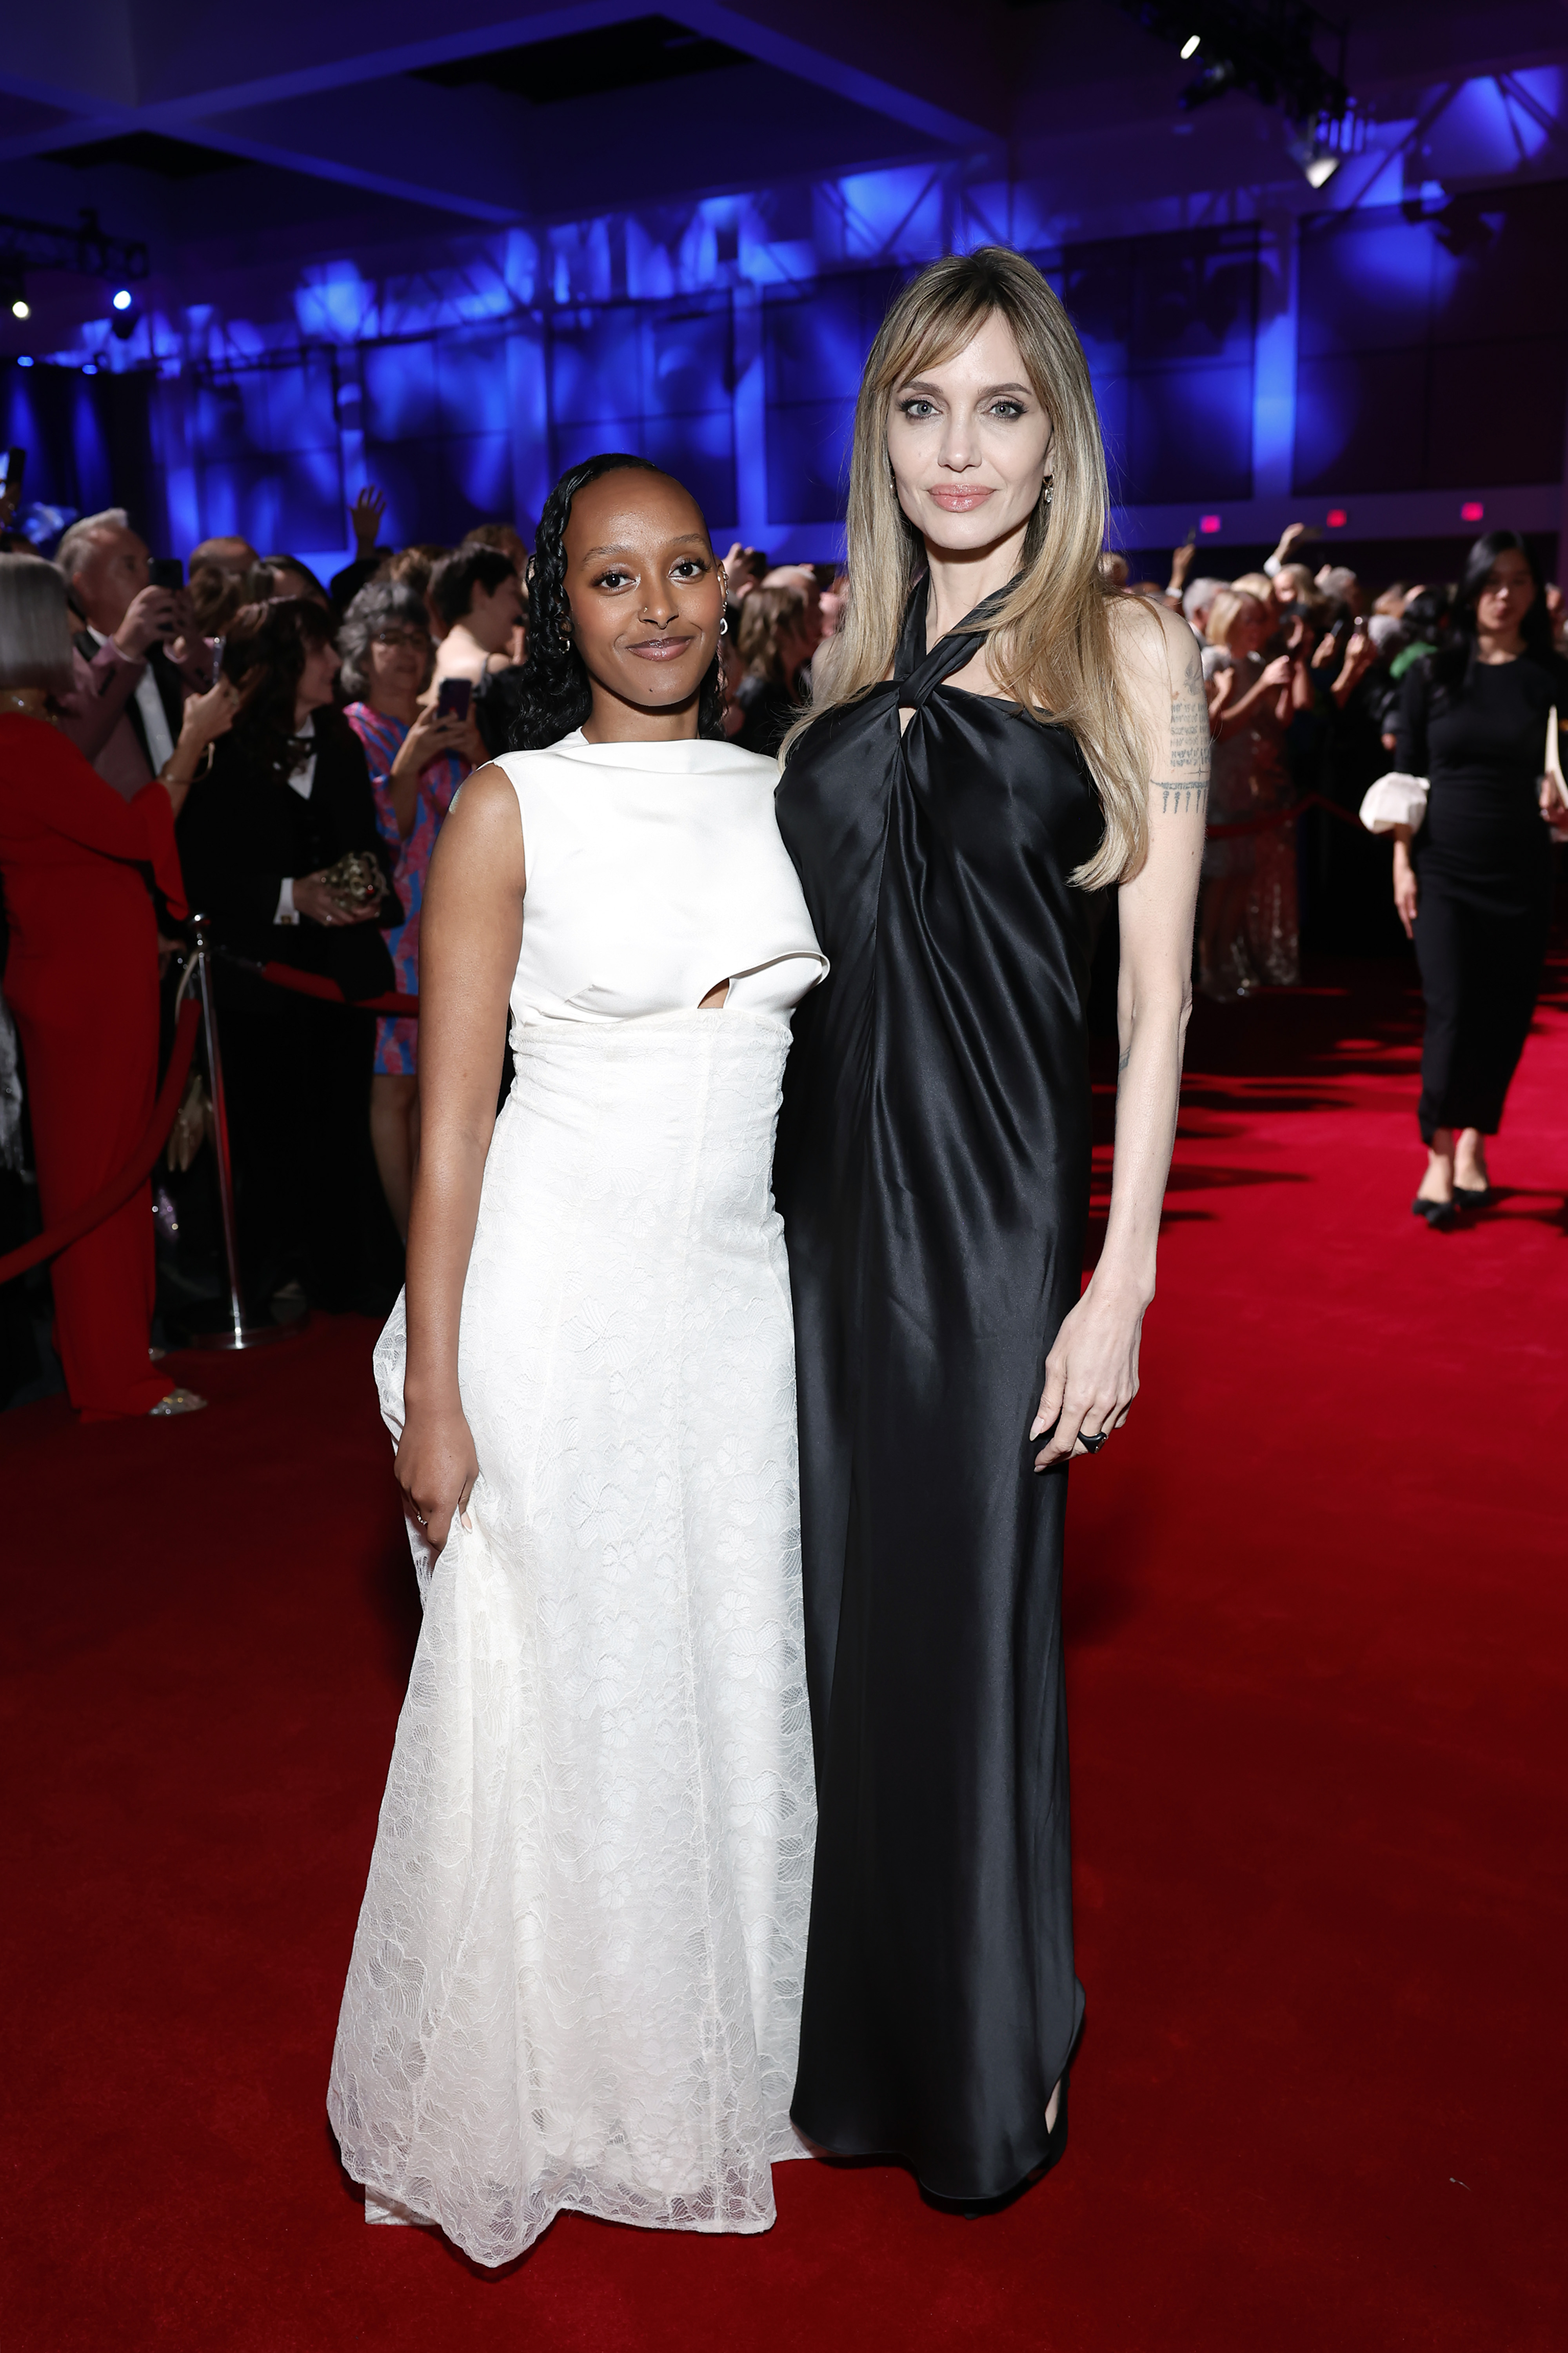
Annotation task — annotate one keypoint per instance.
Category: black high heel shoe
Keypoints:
(1474, 1196)
(1439, 1215)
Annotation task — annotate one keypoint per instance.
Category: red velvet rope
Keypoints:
(119, 1189)
(1282, 817)
(312, 984)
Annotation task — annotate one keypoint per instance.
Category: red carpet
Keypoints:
(1316, 1668)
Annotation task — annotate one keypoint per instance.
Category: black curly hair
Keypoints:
(554, 694)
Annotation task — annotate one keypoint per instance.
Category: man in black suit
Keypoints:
(125, 709)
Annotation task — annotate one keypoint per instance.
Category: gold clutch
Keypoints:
(356, 879)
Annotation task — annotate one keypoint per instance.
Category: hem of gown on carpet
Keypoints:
(383, 2207)
(883, 2154)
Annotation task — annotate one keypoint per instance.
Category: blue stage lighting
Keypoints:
(121, 299)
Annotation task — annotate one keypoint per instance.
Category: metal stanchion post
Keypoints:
(236, 1329)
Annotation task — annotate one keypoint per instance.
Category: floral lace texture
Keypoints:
(576, 1978)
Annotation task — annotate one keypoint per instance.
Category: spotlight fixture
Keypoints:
(121, 299)
(21, 308)
(1319, 162)
(1269, 48)
(1320, 147)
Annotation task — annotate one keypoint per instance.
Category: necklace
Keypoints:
(27, 699)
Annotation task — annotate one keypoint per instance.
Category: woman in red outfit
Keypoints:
(79, 866)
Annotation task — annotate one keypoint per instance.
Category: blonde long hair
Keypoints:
(1050, 643)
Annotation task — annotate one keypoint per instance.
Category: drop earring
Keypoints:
(724, 625)
(1045, 488)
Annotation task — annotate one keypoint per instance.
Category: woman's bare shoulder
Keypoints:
(483, 830)
(487, 798)
(1149, 640)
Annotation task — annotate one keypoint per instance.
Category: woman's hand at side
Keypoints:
(436, 1468)
(1091, 1373)
(1405, 893)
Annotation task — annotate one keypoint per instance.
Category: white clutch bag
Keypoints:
(1556, 811)
(1395, 799)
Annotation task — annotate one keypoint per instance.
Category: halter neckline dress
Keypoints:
(932, 1170)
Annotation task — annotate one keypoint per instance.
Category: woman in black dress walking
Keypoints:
(1473, 888)
(995, 744)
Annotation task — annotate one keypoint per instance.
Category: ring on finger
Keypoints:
(1091, 1442)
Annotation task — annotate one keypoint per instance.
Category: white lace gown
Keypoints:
(576, 1978)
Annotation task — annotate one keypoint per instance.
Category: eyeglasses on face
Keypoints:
(409, 636)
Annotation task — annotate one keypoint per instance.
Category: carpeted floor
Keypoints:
(1317, 1665)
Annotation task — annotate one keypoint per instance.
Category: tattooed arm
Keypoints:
(1184, 786)
(1091, 1373)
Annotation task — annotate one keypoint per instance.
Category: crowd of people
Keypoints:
(305, 740)
(1430, 710)
(1304, 670)
(277, 753)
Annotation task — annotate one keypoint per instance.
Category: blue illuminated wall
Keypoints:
(815, 342)
(1169, 325)
(1392, 348)
(266, 459)
(1433, 343)
(466, 422)
(87, 437)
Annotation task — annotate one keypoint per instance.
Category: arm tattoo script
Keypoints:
(1186, 787)
(1177, 799)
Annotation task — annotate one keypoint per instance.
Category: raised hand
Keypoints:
(149, 621)
(365, 515)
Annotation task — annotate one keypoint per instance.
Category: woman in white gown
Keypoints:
(576, 1978)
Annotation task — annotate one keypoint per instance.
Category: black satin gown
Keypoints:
(932, 1171)
(1484, 877)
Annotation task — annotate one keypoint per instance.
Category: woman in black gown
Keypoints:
(1473, 887)
(933, 1161)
